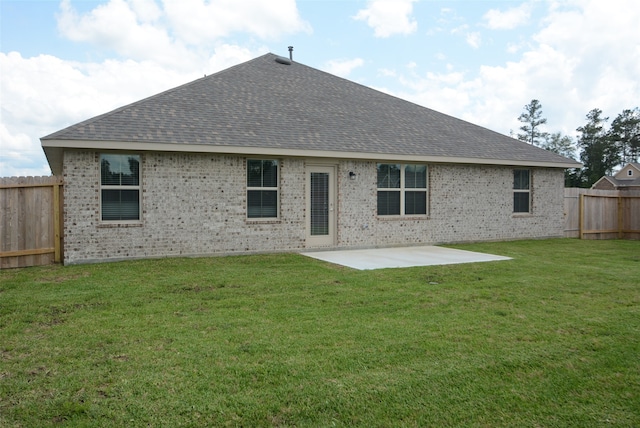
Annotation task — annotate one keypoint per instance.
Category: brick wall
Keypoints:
(466, 203)
(195, 204)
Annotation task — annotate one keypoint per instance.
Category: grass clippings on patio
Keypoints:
(550, 338)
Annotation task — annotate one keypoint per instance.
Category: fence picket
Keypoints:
(601, 214)
(30, 208)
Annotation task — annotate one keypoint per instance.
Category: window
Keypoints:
(120, 187)
(402, 189)
(521, 191)
(630, 173)
(262, 188)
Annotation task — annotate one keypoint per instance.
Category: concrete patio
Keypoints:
(382, 258)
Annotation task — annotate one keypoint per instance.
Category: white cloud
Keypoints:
(387, 72)
(509, 19)
(227, 55)
(19, 155)
(128, 28)
(474, 40)
(146, 10)
(162, 45)
(177, 34)
(343, 68)
(43, 94)
(195, 21)
(586, 55)
(514, 48)
(389, 17)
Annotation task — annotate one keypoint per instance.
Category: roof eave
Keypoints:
(54, 157)
(53, 148)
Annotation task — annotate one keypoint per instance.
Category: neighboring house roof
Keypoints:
(619, 180)
(265, 107)
(619, 183)
(630, 166)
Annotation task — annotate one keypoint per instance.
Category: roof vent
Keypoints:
(283, 60)
(291, 53)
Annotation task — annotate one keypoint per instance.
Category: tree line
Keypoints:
(600, 149)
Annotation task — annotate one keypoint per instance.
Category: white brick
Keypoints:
(195, 204)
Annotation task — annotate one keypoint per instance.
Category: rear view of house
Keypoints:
(273, 155)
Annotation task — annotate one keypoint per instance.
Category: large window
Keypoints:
(120, 187)
(521, 191)
(262, 188)
(402, 189)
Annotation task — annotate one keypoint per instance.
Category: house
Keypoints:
(272, 155)
(628, 178)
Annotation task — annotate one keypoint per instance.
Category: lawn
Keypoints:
(548, 339)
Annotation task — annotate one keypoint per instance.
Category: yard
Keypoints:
(550, 338)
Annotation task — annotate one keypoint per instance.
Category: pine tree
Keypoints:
(599, 154)
(532, 119)
(625, 134)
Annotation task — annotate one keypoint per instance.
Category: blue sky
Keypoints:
(65, 61)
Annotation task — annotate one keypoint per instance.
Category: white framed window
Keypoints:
(521, 191)
(402, 189)
(119, 187)
(262, 188)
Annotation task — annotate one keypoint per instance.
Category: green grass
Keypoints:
(548, 339)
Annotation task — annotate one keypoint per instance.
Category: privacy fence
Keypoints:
(601, 214)
(30, 221)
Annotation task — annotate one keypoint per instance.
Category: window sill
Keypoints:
(521, 215)
(263, 221)
(401, 217)
(120, 224)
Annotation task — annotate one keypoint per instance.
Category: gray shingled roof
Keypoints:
(264, 104)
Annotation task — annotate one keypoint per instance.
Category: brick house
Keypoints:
(272, 155)
(628, 178)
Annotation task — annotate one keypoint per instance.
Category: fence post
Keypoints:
(581, 216)
(620, 217)
(56, 223)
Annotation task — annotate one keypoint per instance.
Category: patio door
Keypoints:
(321, 206)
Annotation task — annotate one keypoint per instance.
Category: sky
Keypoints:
(64, 61)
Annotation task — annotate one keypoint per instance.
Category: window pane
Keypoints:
(270, 173)
(106, 175)
(388, 203)
(521, 179)
(415, 176)
(130, 171)
(262, 203)
(254, 173)
(521, 202)
(262, 173)
(120, 170)
(415, 203)
(383, 176)
(388, 176)
(120, 204)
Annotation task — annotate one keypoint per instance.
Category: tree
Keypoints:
(599, 154)
(563, 145)
(532, 119)
(559, 144)
(625, 134)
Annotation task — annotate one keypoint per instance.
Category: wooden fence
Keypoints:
(601, 214)
(30, 221)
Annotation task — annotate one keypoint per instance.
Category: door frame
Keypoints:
(315, 241)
